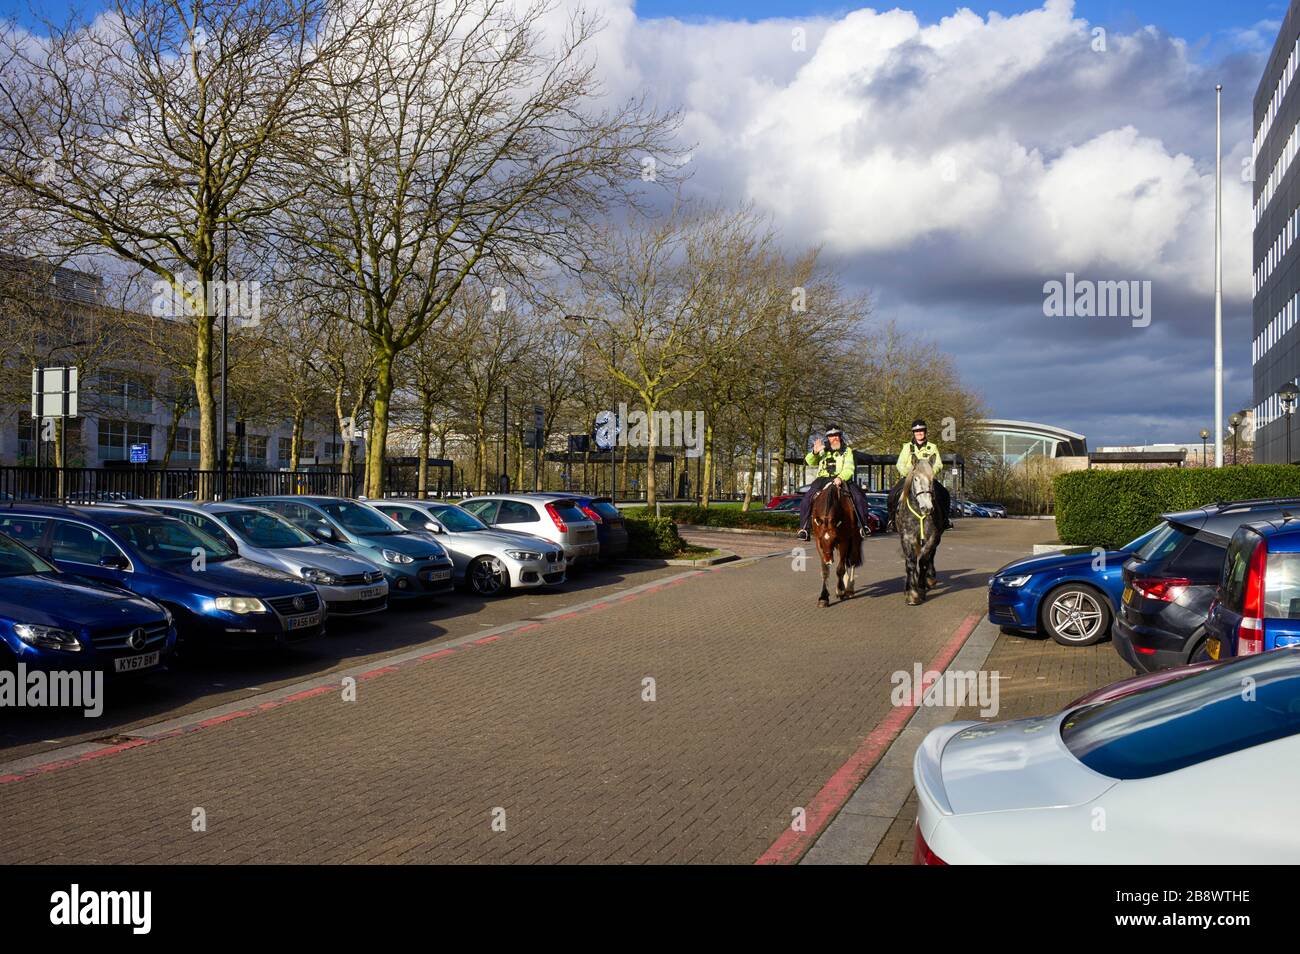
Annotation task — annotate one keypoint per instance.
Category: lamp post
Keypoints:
(1287, 393)
(1205, 435)
(1218, 277)
(1234, 422)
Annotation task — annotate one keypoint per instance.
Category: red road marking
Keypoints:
(530, 626)
(438, 655)
(486, 639)
(825, 805)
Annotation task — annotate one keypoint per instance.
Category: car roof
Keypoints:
(535, 497)
(93, 512)
(203, 506)
(1282, 531)
(1222, 519)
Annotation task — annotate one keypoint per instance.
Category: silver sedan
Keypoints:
(487, 560)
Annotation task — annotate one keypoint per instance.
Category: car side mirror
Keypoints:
(323, 531)
(435, 526)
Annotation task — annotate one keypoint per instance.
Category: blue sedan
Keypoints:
(1072, 596)
(51, 620)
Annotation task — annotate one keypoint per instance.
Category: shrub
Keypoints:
(1110, 507)
(651, 537)
(720, 517)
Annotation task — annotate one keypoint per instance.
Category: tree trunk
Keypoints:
(203, 383)
(650, 457)
(426, 438)
(749, 478)
(295, 437)
(707, 480)
(378, 442)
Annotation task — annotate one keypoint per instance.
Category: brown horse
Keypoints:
(835, 528)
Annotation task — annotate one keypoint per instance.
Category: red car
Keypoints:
(780, 499)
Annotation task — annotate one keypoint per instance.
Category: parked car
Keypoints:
(611, 528)
(51, 620)
(415, 565)
(993, 509)
(1256, 606)
(780, 501)
(217, 597)
(1072, 596)
(1144, 778)
(1170, 581)
(555, 517)
(488, 561)
(349, 584)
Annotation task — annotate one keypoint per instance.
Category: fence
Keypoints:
(80, 484)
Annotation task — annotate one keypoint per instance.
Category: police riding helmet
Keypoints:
(919, 425)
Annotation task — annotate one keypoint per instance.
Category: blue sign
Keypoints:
(139, 453)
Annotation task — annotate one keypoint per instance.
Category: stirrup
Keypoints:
(802, 534)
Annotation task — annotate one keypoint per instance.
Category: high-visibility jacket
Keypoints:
(831, 463)
(910, 452)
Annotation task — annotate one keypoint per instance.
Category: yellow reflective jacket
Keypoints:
(831, 463)
(907, 457)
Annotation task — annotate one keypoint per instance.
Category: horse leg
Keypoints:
(913, 590)
(839, 575)
(825, 598)
(852, 573)
(931, 577)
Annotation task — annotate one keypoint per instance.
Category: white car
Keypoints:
(1202, 769)
(350, 585)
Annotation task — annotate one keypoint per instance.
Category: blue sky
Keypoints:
(951, 172)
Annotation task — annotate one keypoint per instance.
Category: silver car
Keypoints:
(489, 561)
(350, 585)
(554, 517)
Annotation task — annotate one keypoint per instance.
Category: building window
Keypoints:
(124, 391)
(283, 447)
(29, 436)
(187, 444)
(116, 438)
(252, 450)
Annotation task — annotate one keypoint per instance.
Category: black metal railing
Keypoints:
(91, 484)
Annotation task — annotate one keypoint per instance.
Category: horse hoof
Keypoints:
(823, 602)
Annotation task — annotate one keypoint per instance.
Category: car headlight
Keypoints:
(1014, 581)
(240, 604)
(314, 575)
(392, 556)
(523, 555)
(47, 637)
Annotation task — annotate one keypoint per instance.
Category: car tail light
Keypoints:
(921, 853)
(595, 517)
(1250, 631)
(557, 519)
(1164, 590)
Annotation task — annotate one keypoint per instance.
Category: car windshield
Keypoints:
(457, 520)
(165, 542)
(17, 560)
(359, 519)
(1203, 716)
(264, 529)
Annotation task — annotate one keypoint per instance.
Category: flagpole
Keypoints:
(1218, 276)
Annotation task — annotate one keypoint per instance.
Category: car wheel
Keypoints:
(1076, 615)
(487, 576)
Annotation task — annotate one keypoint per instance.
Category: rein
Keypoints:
(907, 498)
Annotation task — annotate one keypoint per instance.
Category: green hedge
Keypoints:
(1110, 507)
(651, 537)
(719, 517)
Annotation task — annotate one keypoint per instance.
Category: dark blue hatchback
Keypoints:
(50, 620)
(217, 597)
(1256, 607)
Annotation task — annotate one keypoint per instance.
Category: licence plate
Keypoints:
(373, 592)
(1128, 594)
(1212, 648)
(135, 663)
(436, 575)
(302, 622)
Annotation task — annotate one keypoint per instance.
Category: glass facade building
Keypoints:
(1275, 347)
(1015, 441)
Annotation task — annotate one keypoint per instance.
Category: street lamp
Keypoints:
(1287, 393)
(1234, 422)
(1205, 434)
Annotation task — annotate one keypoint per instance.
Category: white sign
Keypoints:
(56, 394)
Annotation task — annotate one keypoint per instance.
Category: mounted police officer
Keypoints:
(919, 448)
(833, 459)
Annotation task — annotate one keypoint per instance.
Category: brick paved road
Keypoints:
(760, 696)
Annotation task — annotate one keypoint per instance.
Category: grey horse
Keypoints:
(920, 527)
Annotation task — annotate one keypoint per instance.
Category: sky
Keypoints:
(953, 162)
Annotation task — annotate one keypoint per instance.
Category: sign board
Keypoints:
(539, 418)
(139, 453)
(54, 392)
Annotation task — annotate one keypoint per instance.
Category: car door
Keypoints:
(87, 552)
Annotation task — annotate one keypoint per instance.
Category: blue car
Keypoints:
(414, 564)
(1073, 596)
(50, 620)
(1257, 605)
(218, 598)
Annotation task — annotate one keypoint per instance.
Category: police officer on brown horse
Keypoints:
(834, 461)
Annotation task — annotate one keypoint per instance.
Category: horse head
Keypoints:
(920, 485)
